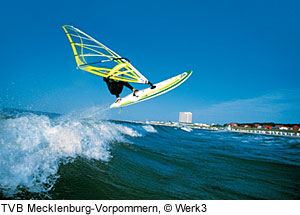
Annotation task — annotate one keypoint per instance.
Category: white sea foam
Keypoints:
(32, 147)
(187, 129)
(149, 128)
(127, 130)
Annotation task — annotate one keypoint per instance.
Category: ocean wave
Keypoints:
(32, 147)
(149, 128)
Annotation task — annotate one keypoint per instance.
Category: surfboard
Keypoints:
(148, 93)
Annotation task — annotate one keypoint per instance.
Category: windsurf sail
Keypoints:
(94, 57)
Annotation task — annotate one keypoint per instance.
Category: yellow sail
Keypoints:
(94, 57)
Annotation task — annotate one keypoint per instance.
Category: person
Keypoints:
(116, 87)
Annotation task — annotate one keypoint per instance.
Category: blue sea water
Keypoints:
(86, 156)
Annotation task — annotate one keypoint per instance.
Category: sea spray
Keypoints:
(32, 146)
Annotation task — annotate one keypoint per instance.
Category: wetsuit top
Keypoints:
(116, 87)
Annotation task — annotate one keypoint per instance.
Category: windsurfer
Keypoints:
(116, 87)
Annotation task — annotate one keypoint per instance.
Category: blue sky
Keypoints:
(244, 57)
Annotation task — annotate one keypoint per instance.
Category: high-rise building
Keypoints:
(185, 117)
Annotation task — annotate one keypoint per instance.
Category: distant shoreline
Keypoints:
(268, 132)
(288, 133)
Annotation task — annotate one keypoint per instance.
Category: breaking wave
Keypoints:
(33, 146)
(149, 128)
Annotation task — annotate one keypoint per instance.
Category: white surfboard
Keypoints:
(148, 93)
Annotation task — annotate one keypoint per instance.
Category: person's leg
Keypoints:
(131, 88)
(151, 85)
(118, 98)
(134, 92)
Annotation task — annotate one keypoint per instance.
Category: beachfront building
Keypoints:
(201, 124)
(269, 127)
(233, 124)
(185, 117)
(296, 128)
(283, 127)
